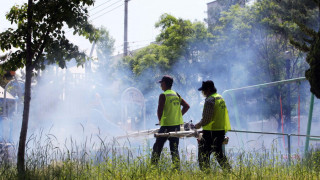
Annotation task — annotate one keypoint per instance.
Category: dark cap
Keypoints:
(207, 85)
(167, 79)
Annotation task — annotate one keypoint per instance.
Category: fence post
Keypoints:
(289, 148)
(306, 147)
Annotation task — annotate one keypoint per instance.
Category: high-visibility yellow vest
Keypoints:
(171, 114)
(220, 118)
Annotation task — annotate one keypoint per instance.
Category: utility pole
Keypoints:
(125, 43)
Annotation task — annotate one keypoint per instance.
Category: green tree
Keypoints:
(306, 15)
(40, 40)
(153, 56)
(245, 38)
(184, 38)
(5, 75)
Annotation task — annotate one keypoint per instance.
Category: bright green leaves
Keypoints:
(179, 40)
(182, 37)
(174, 32)
(152, 56)
(17, 14)
(48, 41)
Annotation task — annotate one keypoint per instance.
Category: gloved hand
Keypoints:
(192, 126)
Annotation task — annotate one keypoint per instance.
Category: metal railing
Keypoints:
(231, 92)
(282, 134)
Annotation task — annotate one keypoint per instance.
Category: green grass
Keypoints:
(49, 160)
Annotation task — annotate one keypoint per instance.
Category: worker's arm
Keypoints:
(162, 100)
(185, 106)
(207, 112)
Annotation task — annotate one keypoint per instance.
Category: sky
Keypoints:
(142, 16)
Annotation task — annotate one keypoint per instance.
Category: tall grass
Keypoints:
(108, 159)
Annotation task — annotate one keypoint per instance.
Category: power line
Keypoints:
(103, 13)
(131, 47)
(147, 40)
(133, 42)
(106, 12)
(105, 8)
(139, 45)
(99, 5)
(126, 1)
(136, 43)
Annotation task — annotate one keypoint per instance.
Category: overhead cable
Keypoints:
(106, 12)
(105, 8)
(99, 5)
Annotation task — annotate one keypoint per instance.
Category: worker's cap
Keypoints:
(207, 85)
(167, 79)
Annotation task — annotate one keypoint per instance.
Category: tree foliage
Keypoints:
(179, 40)
(153, 56)
(49, 43)
(255, 38)
(306, 15)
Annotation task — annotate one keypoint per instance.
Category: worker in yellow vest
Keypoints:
(215, 123)
(170, 118)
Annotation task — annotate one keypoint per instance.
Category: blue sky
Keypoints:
(143, 14)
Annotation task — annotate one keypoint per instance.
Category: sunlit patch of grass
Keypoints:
(47, 159)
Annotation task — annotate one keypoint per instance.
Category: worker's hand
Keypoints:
(197, 126)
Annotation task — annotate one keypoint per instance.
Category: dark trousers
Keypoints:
(211, 142)
(174, 144)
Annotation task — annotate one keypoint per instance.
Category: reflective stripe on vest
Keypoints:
(220, 118)
(171, 115)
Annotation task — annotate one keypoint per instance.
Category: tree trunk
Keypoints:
(27, 98)
(25, 119)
